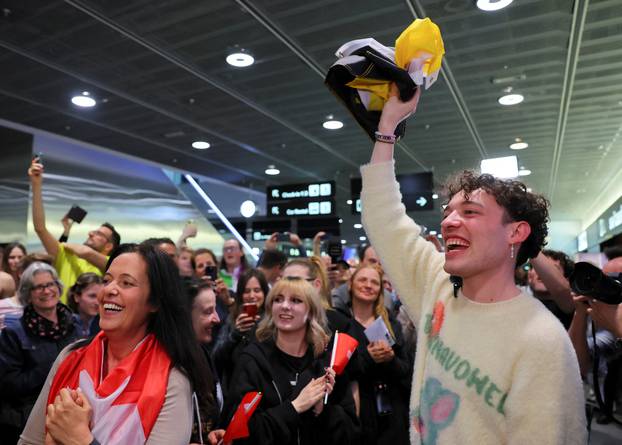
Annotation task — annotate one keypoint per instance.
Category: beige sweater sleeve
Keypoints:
(413, 264)
(173, 426)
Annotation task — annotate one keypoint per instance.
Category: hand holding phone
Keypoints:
(283, 237)
(76, 214)
(250, 309)
(211, 272)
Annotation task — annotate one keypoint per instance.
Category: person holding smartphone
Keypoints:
(70, 260)
(239, 328)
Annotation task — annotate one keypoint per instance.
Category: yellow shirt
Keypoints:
(70, 267)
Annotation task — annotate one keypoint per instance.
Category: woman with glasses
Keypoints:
(29, 345)
(239, 329)
(288, 365)
(233, 262)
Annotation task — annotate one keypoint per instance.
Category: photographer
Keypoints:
(601, 349)
(608, 320)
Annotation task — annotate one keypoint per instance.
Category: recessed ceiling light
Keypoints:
(434, 195)
(362, 238)
(504, 167)
(340, 221)
(349, 202)
(240, 59)
(343, 241)
(511, 99)
(524, 172)
(272, 170)
(332, 124)
(358, 226)
(492, 5)
(201, 145)
(84, 100)
(247, 209)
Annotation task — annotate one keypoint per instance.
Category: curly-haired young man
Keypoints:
(493, 365)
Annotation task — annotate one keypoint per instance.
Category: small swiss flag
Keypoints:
(343, 348)
(238, 427)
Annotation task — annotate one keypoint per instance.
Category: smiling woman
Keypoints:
(138, 374)
(29, 344)
(288, 365)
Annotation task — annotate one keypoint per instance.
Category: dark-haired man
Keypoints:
(492, 365)
(548, 282)
(70, 260)
(271, 263)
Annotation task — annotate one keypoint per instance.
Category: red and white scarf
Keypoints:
(127, 401)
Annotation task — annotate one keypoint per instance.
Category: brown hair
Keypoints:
(518, 203)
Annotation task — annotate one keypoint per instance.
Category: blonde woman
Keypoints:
(288, 365)
(384, 371)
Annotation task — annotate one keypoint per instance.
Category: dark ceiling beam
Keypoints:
(128, 134)
(195, 71)
(303, 55)
(133, 99)
(572, 58)
(418, 12)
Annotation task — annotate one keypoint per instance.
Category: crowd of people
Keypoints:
(159, 343)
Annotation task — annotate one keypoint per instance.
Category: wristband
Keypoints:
(386, 138)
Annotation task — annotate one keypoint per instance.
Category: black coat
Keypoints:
(395, 379)
(263, 367)
(25, 361)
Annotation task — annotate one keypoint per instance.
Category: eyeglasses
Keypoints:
(100, 233)
(230, 249)
(40, 288)
(290, 278)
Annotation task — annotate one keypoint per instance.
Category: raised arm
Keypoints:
(394, 112)
(50, 243)
(555, 282)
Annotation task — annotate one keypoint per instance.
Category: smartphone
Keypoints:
(249, 309)
(38, 158)
(76, 214)
(282, 237)
(211, 272)
(334, 249)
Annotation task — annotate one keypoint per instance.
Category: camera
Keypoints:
(590, 281)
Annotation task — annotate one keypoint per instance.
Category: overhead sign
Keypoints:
(416, 190)
(311, 190)
(302, 208)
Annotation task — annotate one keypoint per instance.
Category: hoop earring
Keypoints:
(512, 251)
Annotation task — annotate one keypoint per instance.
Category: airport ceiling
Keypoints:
(158, 71)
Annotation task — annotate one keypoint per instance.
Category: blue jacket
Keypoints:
(25, 361)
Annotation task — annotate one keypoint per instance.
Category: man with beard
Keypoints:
(70, 260)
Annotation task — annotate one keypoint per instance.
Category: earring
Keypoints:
(512, 251)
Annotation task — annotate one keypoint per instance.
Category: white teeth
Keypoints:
(456, 242)
(112, 307)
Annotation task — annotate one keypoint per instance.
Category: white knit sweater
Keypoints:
(497, 373)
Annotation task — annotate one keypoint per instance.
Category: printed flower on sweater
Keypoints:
(437, 411)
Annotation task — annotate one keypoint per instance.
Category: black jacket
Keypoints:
(25, 361)
(263, 367)
(394, 379)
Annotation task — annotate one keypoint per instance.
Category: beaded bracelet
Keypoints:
(386, 138)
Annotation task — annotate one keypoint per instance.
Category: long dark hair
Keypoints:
(243, 260)
(81, 284)
(171, 323)
(239, 295)
(5, 259)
